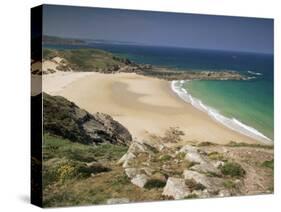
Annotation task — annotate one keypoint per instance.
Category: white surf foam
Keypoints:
(255, 73)
(232, 123)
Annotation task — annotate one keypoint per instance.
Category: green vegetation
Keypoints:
(241, 144)
(87, 59)
(57, 147)
(205, 143)
(49, 53)
(155, 183)
(64, 160)
(268, 164)
(80, 174)
(216, 156)
(232, 169)
(229, 184)
(181, 155)
(165, 157)
(191, 196)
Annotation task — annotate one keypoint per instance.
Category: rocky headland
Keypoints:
(95, 60)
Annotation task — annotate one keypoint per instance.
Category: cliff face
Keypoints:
(64, 118)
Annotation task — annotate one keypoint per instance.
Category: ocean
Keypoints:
(246, 106)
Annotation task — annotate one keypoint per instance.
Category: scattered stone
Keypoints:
(140, 180)
(206, 168)
(138, 147)
(176, 188)
(131, 172)
(192, 154)
(126, 159)
(198, 178)
(148, 171)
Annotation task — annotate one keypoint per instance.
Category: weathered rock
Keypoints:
(141, 147)
(212, 184)
(176, 188)
(126, 159)
(217, 164)
(140, 180)
(131, 172)
(198, 178)
(206, 167)
(192, 154)
(64, 118)
(148, 171)
(117, 201)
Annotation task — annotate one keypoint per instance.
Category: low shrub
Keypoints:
(155, 183)
(193, 185)
(268, 164)
(232, 169)
(165, 157)
(216, 156)
(229, 184)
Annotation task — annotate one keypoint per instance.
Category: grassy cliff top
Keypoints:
(87, 59)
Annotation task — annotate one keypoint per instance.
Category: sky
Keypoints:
(160, 29)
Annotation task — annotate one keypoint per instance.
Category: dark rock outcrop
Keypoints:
(64, 118)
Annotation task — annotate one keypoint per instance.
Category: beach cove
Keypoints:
(145, 106)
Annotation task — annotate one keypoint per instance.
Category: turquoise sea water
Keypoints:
(247, 104)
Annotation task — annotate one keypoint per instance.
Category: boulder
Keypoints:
(131, 172)
(176, 188)
(198, 178)
(139, 180)
(212, 184)
(149, 171)
(64, 118)
(207, 168)
(141, 147)
(126, 159)
(192, 154)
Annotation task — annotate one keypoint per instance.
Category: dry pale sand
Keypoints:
(57, 82)
(144, 105)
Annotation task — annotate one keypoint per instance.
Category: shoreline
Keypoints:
(232, 123)
(145, 106)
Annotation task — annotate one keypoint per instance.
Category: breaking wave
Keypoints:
(254, 73)
(232, 123)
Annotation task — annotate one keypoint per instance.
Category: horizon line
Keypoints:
(150, 45)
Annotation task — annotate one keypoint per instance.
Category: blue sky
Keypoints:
(160, 29)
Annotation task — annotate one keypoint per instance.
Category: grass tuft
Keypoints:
(232, 169)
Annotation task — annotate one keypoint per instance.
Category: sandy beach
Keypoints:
(145, 106)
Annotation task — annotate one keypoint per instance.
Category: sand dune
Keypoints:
(144, 105)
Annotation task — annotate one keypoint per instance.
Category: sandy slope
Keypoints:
(144, 105)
